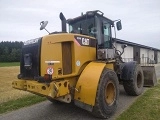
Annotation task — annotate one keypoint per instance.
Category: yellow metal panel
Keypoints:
(39, 88)
(19, 84)
(110, 66)
(51, 50)
(62, 88)
(54, 89)
(86, 87)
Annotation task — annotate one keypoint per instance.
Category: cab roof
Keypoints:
(89, 14)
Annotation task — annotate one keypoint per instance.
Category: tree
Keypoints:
(10, 51)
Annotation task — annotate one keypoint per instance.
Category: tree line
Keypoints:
(10, 51)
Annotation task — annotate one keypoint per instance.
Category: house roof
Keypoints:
(134, 44)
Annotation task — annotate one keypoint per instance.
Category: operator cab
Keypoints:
(94, 24)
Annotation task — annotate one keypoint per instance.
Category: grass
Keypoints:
(7, 64)
(146, 107)
(7, 93)
(19, 103)
(10, 98)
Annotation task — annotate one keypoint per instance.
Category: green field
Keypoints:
(8, 64)
(19, 103)
(146, 107)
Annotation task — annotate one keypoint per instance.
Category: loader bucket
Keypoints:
(150, 78)
(157, 69)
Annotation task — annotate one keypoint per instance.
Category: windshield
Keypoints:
(85, 27)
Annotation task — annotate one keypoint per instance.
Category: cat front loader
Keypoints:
(80, 65)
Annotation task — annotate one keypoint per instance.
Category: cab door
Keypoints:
(104, 35)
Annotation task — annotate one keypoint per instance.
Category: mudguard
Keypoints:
(86, 87)
(127, 70)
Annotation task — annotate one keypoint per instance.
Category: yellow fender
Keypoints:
(86, 87)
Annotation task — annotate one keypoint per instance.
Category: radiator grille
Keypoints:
(66, 58)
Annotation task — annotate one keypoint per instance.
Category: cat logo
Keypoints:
(85, 41)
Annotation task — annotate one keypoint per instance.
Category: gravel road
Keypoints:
(48, 111)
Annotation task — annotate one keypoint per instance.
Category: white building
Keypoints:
(140, 53)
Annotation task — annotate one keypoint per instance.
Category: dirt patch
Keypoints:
(7, 75)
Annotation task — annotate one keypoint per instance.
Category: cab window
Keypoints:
(106, 34)
(85, 27)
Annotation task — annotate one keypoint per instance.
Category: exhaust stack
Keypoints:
(63, 20)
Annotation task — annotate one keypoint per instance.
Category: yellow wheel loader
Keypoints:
(81, 65)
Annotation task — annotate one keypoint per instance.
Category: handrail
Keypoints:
(144, 61)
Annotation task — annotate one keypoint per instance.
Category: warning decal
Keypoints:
(50, 70)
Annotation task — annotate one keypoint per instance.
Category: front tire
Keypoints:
(107, 94)
(135, 86)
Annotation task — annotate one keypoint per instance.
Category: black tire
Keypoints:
(134, 87)
(107, 95)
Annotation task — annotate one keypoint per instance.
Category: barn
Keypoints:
(137, 52)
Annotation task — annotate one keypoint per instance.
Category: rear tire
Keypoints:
(107, 95)
(135, 86)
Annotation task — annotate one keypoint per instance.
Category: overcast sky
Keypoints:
(20, 19)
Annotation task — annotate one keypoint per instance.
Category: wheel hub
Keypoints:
(110, 93)
(139, 80)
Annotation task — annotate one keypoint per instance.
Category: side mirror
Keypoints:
(43, 24)
(119, 25)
